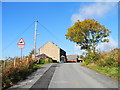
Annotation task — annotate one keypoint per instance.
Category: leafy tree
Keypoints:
(88, 34)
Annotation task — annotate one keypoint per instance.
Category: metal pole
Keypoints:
(21, 54)
(35, 34)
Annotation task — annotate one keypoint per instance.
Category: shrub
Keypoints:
(91, 57)
(11, 74)
(45, 60)
(106, 59)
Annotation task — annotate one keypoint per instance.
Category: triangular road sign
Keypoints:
(21, 42)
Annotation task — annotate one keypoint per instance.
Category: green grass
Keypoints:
(109, 71)
(112, 71)
(37, 65)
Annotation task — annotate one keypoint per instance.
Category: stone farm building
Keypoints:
(72, 58)
(53, 51)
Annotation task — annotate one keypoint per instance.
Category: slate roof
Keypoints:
(42, 56)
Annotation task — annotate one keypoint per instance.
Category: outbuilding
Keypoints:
(72, 58)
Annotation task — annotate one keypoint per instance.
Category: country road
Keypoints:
(67, 75)
(72, 75)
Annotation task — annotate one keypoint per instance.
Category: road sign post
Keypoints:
(21, 44)
(21, 53)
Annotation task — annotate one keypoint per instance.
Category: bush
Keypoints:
(91, 57)
(11, 74)
(106, 62)
(106, 59)
(45, 60)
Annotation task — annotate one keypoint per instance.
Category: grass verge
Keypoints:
(36, 66)
(108, 71)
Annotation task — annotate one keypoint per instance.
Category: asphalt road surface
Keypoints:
(66, 75)
(73, 75)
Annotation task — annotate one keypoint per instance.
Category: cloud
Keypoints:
(78, 51)
(112, 44)
(95, 10)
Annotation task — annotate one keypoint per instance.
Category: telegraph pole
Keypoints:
(35, 35)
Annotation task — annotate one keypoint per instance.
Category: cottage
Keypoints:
(53, 51)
